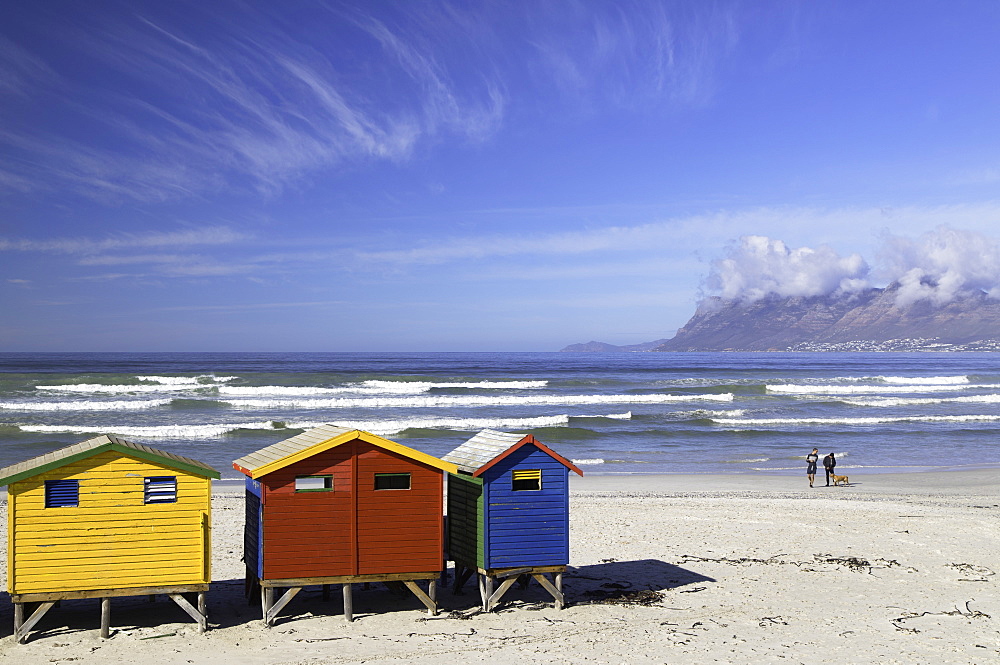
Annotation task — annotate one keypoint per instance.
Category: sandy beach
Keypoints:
(664, 569)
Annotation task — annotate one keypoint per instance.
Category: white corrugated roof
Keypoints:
(296, 444)
(53, 458)
(481, 449)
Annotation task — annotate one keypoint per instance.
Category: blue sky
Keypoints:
(452, 176)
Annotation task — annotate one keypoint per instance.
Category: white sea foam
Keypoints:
(724, 413)
(204, 431)
(201, 380)
(118, 405)
(424, 386)
(614, 416)
(451, 401)
(381, 427)
(388, 427)
(799, 389)
(583, 462)
(875, 420)
(924, 401)
(286, 391)
(926, 380)
(119, 389)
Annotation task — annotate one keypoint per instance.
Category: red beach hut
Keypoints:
(336, 505)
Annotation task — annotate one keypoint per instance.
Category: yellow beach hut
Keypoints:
(107, 518)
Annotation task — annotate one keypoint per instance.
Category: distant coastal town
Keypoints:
(897, 345)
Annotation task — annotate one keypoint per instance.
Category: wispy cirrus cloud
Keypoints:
(238, 98)
(249, 103)
(215, 235)
(19, 69)
(633, 54)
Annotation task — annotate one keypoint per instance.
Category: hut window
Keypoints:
(313, 483)
(62, 493)
(160, 489)
(526, 479)
(392, 481)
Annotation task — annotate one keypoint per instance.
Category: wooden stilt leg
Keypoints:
(432, 594)
(277, 605)
(105, 618)
(481, 580)
(203, 611)
(554, 591)
(267, 595)
(18, 616)
(487, 593)
(426, 598)
(21, 634)
(348, 604)
(198, 614)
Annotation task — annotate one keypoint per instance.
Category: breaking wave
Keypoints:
(924, 401)
(799, 389)
(874, 420)
(381, 427)
(121, 389)
(374, 388)
(204, 379)
(451, 401)
(118, 405)
(424, 386)
(927, 380)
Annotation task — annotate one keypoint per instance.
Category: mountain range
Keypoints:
(869, 320)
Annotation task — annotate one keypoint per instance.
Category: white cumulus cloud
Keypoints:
(942, 264)
(758, 266)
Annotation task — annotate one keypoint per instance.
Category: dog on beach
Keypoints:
(840, 480)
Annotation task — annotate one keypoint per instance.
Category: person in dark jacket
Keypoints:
(829, 462)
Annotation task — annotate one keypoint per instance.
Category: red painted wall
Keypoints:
(354, 529)
(308, 534)
(399, 531)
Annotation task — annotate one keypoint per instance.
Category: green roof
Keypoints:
(96, 446)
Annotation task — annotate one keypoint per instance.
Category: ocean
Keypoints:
(621, 413)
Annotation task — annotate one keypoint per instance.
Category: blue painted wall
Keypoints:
(527, 527)
(253, 530)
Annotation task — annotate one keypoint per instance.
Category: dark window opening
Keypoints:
(392, 481)
(526, 480)
(62, 493)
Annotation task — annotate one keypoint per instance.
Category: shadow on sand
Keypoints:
(609, 582)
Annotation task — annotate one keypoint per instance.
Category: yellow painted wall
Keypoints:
(112, 540)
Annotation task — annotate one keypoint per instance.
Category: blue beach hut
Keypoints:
(508, 513)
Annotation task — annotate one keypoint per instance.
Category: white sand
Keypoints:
(743, 569)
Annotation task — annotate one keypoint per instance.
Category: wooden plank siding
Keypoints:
(466, 530)
(308, 534)
(352, 529)
(398, 531)
(527, 527)
(112, 539)
(253, 539)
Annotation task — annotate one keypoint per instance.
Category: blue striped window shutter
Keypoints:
(160, 489)
(62, 493)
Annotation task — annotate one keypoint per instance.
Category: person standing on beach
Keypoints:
(829, 462)
(811, 459)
